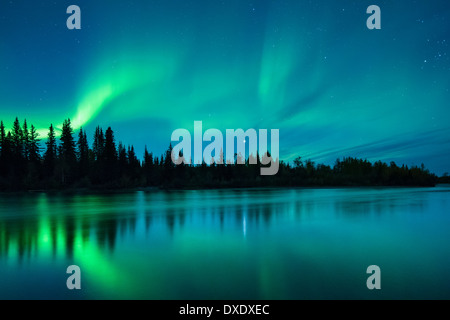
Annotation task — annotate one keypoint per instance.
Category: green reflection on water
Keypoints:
(227, 244)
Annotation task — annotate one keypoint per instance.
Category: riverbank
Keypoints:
(74, 191)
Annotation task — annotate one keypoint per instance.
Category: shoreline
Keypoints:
(86, 191)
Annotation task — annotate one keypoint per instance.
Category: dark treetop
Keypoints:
(69, 164)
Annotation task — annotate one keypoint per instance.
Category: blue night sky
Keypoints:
(309, 68)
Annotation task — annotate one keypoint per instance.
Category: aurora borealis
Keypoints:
(309, 68)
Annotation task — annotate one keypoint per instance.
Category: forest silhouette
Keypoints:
(71, 164)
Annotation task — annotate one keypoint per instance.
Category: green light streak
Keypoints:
(123, 76)
(102, 272)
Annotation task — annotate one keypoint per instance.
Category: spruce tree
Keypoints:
(50, 153)
(83, 152)
(168, 165)
(7, 153)
(148, 166)
(109, 156)
(25, 140)
(123, 160)
(17, 141)
(67, 143)
(132, 159)
(2, 138)
(33, 146)
(110, 152)
(99, 144)
(67, 153)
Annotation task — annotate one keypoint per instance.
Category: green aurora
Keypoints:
(311, 69)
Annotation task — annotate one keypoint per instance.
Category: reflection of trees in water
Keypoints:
(14, 226)
(25, 241)
(101, 219)
(376, 203)
(23, 232)
(106, 232)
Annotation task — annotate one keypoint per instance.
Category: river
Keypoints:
(227, 244)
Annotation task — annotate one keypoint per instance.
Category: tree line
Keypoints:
(70, 163)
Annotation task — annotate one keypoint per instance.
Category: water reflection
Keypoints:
(43, 223)
(249, 244)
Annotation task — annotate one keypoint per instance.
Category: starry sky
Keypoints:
(311, 69)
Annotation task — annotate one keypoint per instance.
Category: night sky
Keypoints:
(309, 68)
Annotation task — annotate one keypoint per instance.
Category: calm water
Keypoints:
(228, 244)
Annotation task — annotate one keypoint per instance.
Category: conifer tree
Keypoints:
(110, 151)
(50, 153)
(25, 140)
(17, 141)
(68, 153)
(83, 152)
(34, 154)
(2, 138)
(109, 156)
(99, 144)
